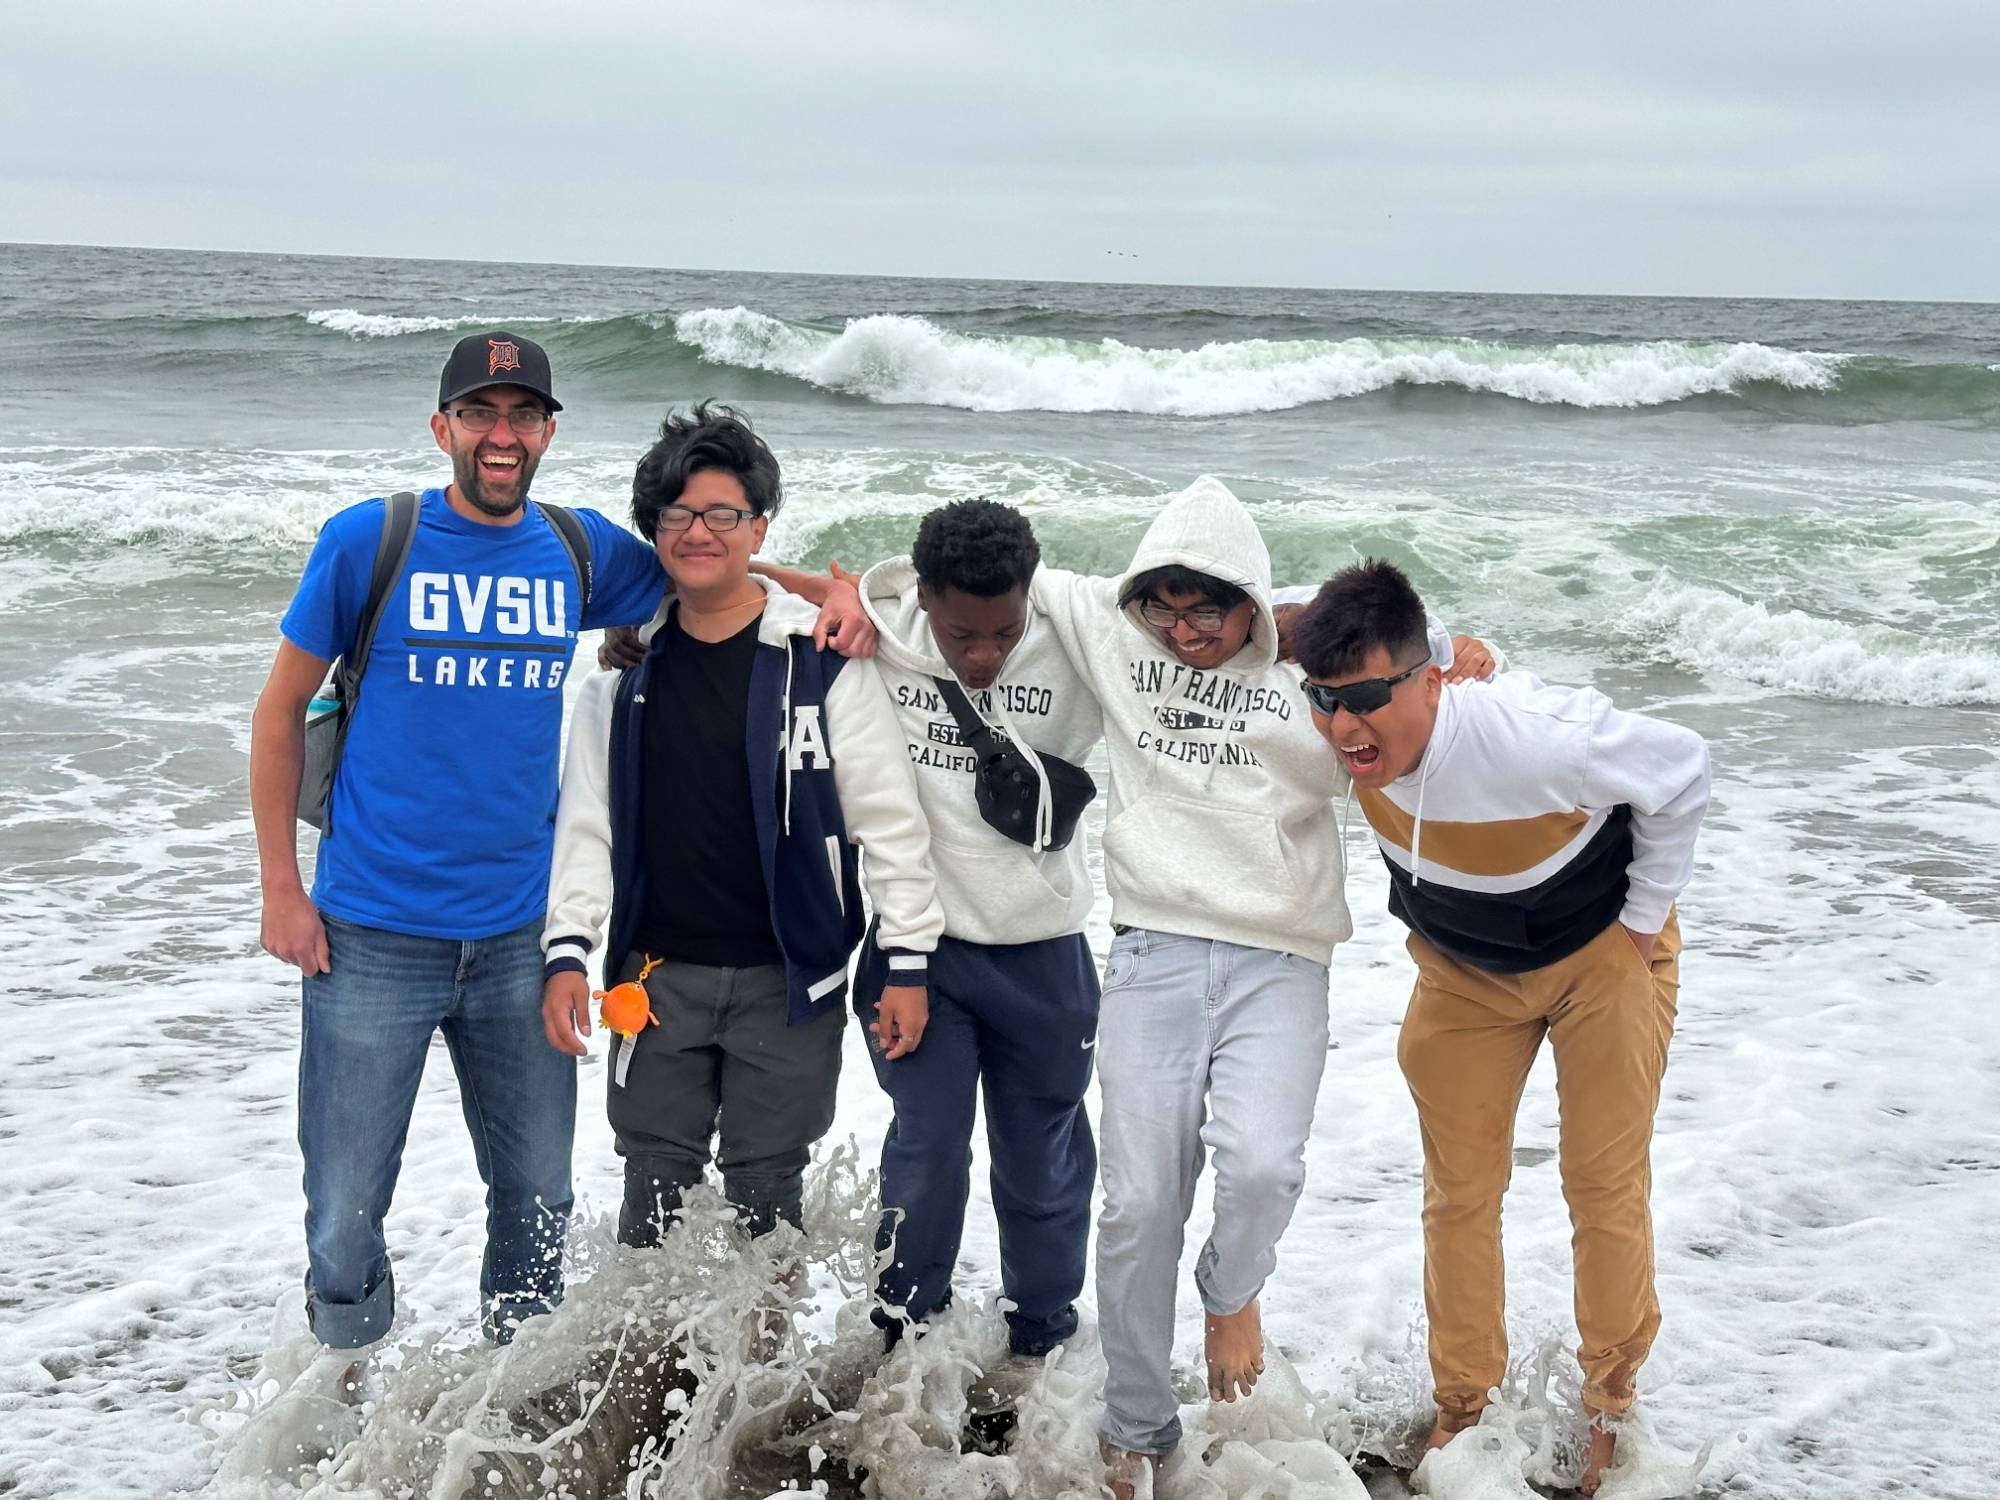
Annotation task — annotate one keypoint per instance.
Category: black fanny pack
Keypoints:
(1005, 785)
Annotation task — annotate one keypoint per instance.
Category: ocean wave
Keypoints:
(263, 507)
(1717, 633)
(362, 325)
(901, 360)
(1197, 364)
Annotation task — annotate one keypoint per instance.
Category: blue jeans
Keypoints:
(367, 1027)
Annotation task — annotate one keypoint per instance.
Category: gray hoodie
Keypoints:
(1222, 821)
(993, 890)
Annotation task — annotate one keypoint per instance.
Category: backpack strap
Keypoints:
(399, 530)
(576, 541)
(392, 550)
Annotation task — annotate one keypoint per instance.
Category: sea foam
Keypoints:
(1718, 634)
(363, 325)
(899, 359)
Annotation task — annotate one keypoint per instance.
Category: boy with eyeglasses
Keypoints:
(426, 902)
(1222, 859)
(1540, 903)
(710, 807)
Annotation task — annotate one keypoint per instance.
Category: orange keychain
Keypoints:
(628, 1010)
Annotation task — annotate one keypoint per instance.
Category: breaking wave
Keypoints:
(365, 325)
(1718, 634)
(899, 359)
(1034, 358)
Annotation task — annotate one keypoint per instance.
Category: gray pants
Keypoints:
(1204, 1048)
(722, 1062)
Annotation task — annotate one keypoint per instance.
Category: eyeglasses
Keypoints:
(717, 518)
(525, 420)
(1367, 696)
(1207, 618)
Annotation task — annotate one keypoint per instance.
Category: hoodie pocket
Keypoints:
(1178, 854)
(1001, 891)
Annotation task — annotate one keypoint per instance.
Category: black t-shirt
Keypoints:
(705, 896)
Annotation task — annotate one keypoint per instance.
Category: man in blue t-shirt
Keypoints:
(427, 902)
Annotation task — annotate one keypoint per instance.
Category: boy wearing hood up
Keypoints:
(1013, 989)
(1540, 904)
(710, 806)
(1222, 857)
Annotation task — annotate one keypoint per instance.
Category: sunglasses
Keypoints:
(1364, 697)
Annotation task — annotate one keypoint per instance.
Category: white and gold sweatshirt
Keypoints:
(1538, 816)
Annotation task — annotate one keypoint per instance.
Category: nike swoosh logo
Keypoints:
(1089, 1044)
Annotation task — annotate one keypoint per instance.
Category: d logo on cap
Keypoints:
(501, 356)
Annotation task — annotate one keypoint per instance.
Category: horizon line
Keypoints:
(1266, 286)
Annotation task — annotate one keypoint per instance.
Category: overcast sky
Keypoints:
(1739, 148)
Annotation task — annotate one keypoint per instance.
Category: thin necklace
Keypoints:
(723, 609)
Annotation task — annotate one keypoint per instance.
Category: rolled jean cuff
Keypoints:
(353, 1325)
(1153, 1442)
(503, 1316)
(1212, 1305)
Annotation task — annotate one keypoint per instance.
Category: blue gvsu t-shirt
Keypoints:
(444, 805)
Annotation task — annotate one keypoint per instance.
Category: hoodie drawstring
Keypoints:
(1417, 838)
(785, 736)
(1346, 809)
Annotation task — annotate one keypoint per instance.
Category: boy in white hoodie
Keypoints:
(1223, 862)
(1540, 904)
(1013, 990)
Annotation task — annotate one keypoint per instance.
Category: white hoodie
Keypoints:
(1221, 822)
(993, 890)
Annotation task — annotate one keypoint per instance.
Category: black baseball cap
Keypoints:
(497, 358)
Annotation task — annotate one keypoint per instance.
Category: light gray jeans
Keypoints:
(1204, 1048)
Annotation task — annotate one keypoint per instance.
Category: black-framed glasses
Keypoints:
(1207, 618)
(717, 518)
(1367, 696)
(525, 420)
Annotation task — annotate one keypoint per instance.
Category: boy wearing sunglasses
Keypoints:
(710, 806)
(1541, 903)
(1223, 862)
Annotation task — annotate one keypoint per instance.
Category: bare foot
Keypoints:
(1123, 1469)
(1235, 1349)
(1440, 1435)
(1603, 1446)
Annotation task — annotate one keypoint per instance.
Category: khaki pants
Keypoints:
(1467, 1043)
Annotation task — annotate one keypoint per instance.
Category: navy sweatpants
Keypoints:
(1020, 1020)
